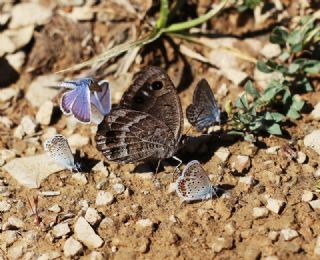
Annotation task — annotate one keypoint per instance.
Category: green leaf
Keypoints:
(242, 102)
(295, 37)
(262, 66)
(284, 56)
(164, 12)
(249, 138)
(274, 129)
(293, 114)
(297, 47)
(250, 89)
(293, 68)
(274, 116)
(313, 69)
(279, 35)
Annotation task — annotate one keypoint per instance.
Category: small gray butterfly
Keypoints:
(204, 111)
(194, 183)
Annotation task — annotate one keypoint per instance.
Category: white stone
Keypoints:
(80, 178)
(315, 204)
(71, 2)
(18, 38)
(144, 223)
(6, 121)
(7, 45)
(61, 230)
(100, 167)
(9, 237)
(260, 212)
(92, 216)
(312, 140)
(119, 188)
(28, 126)
(15, 222)
(104, 198)
(41, 89)
(302, 157)
(316, 112)
(29, 13)
(317, 246)
(241, 163)
(106, 222)
(16, 251)
(171, 188)
(77, 140)
(273, 150)
(72, 247)
(289, 234)
(271, 257)
(248, 180)
(49, 193)
(44, 113)
(31, 171)
(4, 206)
(273, 235)
(16, 60)
(236, 76)
(307, 196)
(7, 155)
(271, 50)
(223, 154)
(275, 205)
(48, 133)
(222, 91)
(55, 208)
(94, 255)
(84, 13)
(49, 256)
(85, 233)
(7, 94)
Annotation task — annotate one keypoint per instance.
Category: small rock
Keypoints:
(4, 18)
(49, 193)
(61, 230)
(6, 155)
(316, 112)
(6, 121)
(72, 247)
(317, 173)
(222, 90)
(20, 36)
(145, 223)
(315, 204)
(71, 2)
(55, 208)
(84, 13)
(171, 188)
(275, 205)
(15, 222)
(9, 237)
(16, 251)
(260, 212)
(248, 180)
(100, 167)
(16, 60)
(106, 222)
(4, 206)
(221, 243)
(302, 157)
(273, 235)
(92, 216)
(236, 76)
(289, 234)
(28, 126)
(44, 113)
(80, 178)
(41, 89)
(317, 246)
(223, 154)
(312, 140)
(145, 175)
(31, 171)
(7, 45)
(119, 188)
(48, 133)
(271, 50)
(7, 94)
(307, 196)
(86, 234)
(271, 257)
(77, 140)
(38, 15)
(241, 163)
(104, 198)
(273, 150)
(94, 255)
(49, 256)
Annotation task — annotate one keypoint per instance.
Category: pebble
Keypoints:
(104, 198)
(273, 150)
(7, 45)
(100, 167)
(315, 114)
(271, 257)
(144, 223)
(77, 140)
(6, 121)
(241, 163)
(259, 212)
(15, 252)
(49, 256)
(312, 140)
(16, 60)
(119, 188)
(302, 157)
(171, 188)
(275, 205)
(80, 178)
(44, 113)
(221, 243)
(85, 233)
(106, 222)
(28, 126)
(271, 50)
(273, 235)
(315, 204)
(92, 216)
(31, 171)
(55, 208)
(317, 173)
(289, 234)
(248, 180)
(222, 90)
(9, 237)
(72, 247)
(14, 223)
(223, 154)
(4, 206)
(84, 13)
(6, 155)
(49, 193)
(40, 89)
(61, 230)
(307, 196)
(71, 2)
(7, 94)
(40, 15)
(19, 37)
(94, 255)
(236, 76)
(317, 246)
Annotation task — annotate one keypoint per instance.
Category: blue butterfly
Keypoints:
(88, 100)
(204, 110)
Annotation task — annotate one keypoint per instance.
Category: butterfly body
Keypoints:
(204, 111)
(148, 124)
(194, 183)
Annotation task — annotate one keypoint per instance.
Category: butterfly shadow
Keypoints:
(84, 163)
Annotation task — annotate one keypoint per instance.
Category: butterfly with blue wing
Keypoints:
(204, 111)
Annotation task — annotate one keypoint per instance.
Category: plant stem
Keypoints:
(164, 12)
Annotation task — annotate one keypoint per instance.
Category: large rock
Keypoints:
(31, 171)
(85, 233)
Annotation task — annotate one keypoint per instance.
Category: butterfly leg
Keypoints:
(158, 166)
(177, 167)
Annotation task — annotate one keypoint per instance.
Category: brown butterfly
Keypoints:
(148, 124)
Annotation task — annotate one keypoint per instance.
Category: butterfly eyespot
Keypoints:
(138, 99)
(157, 85)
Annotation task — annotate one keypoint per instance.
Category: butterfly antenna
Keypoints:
(158, 166)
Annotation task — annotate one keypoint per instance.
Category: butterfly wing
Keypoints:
(102, 100)
(81, 105)
(153, 92)
(204, 111)
(67, 101)
(59, 149)
(194, 183)
(129, 136)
